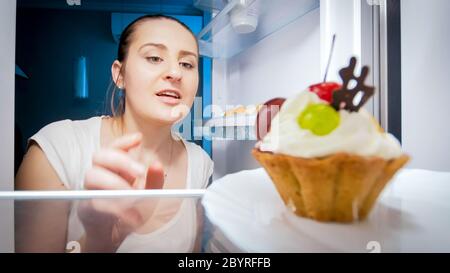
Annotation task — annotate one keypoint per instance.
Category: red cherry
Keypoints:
(325, 90)
(265, 116)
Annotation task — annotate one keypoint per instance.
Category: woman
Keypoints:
(157, 69)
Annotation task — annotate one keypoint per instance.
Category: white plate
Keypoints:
(411, 215)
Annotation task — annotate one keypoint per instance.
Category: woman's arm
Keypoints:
(36, 173)
(40, 226)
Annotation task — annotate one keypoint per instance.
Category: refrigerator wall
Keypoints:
(425, 78)
(285, 63)
(269, 69)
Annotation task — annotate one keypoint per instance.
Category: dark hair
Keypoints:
(122, 52)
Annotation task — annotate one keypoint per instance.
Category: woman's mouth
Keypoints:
(171, 97)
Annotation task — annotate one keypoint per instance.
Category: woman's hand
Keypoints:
(107, 222)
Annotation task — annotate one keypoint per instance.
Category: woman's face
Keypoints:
(161, 71)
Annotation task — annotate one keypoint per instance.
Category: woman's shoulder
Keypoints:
(70, 134)
(201, 164)
(67, 127)
(66, 144)
(196, 150)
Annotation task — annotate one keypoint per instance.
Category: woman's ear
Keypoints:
(117, 76)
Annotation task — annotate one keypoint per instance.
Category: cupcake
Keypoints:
(328, 158)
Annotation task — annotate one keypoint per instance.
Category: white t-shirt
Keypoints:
(69, 146)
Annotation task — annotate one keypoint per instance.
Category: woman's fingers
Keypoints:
(98, 178)
(119, 162)
(153, 180)
(155, 176)
(127, 142)
(126, 211)
(93, 221)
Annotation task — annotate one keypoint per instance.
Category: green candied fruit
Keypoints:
(320, 119)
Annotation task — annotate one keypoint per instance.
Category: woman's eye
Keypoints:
(154, 59)
(187, 65)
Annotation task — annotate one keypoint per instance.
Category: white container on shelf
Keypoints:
(240, 24)
(244, 19)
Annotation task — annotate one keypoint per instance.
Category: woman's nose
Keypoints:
(173, 73)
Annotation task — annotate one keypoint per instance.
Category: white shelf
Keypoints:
(237, 127)
(83, 194)
(408, 217)
(232, 121)
(219, 40)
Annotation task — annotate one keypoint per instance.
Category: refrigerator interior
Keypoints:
(286, 62)
(289, 59)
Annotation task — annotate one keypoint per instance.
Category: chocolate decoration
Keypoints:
(343, 98)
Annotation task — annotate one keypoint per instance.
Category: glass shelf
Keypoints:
(219, 39)
(240, 212)
(231, 121)
(210, 5)
(234, 127)
(166, 220)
